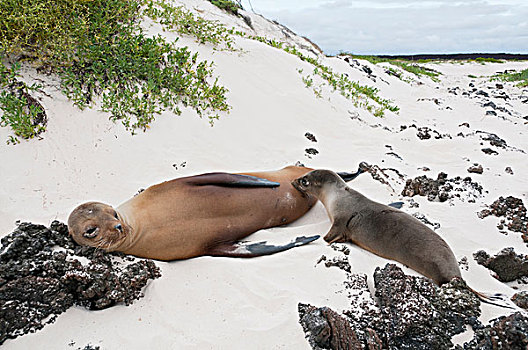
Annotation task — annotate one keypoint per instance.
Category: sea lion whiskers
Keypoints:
(103, 244)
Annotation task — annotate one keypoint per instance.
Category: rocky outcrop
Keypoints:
(443, 188)
(506, 332)
(513, 213)
(507, 265)
(410, 313)
(43, 272)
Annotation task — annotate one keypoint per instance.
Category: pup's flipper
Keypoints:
(250, 250)
(350, 176)
(230, 180)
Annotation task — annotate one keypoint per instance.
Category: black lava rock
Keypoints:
(507, 332)
(475, 168)
(489, 151)
(411, 313)
(310, 137)
(521, 299)
(442, 188)
(513, 211)
(41, 276)
(507, 265)
(311, 151)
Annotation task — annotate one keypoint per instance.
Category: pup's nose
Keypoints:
(119, 227)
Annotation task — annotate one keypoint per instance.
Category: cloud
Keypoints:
(406, 27)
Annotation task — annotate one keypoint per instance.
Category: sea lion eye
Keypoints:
(304, 182)
(91, 232)
(115, 215)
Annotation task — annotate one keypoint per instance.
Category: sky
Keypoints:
(397, 27)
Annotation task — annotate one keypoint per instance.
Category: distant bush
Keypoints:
(488, 60)
(521, 77)
(406, 65)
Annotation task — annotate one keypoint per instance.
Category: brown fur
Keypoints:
(189, 217)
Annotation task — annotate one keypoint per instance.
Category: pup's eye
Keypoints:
(115, 215)
(305, 182)
(91, 232)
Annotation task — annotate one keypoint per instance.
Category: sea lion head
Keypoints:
(97, 225)
(315, 181)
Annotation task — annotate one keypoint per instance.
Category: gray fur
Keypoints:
(383, 230)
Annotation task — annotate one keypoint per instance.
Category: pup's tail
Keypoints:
(351, 176)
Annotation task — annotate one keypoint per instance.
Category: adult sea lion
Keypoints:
(198, 215)
(378, 228)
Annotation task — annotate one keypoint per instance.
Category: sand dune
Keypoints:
(221, 303)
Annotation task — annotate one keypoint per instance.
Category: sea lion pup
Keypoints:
(378, 228)
(382, 229)
(197, 215)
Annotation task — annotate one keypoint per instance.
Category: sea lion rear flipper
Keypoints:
(230, 180)
(488, 299)
(350, 176)
(241, 250)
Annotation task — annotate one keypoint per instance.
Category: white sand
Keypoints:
(223, 303)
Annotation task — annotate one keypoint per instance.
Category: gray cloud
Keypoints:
(406, 27)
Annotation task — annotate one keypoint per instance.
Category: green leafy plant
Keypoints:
(183, 21)
(98, 49)
(521, 77)
(139, 77)
(360, 95)
(20, 111)
(227, 5)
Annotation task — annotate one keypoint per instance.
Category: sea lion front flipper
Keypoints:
(230, 180)
(243, 250)
(335, 234)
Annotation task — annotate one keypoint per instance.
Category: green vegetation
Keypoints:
(487, 60)
(227, 5)
(360, 95)
(98, 49)
(101, 54)
(472, 76)
(405, 65)
(182, 21)
(521, 77)
(21, 112)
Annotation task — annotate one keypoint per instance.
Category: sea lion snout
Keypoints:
(313, 182)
